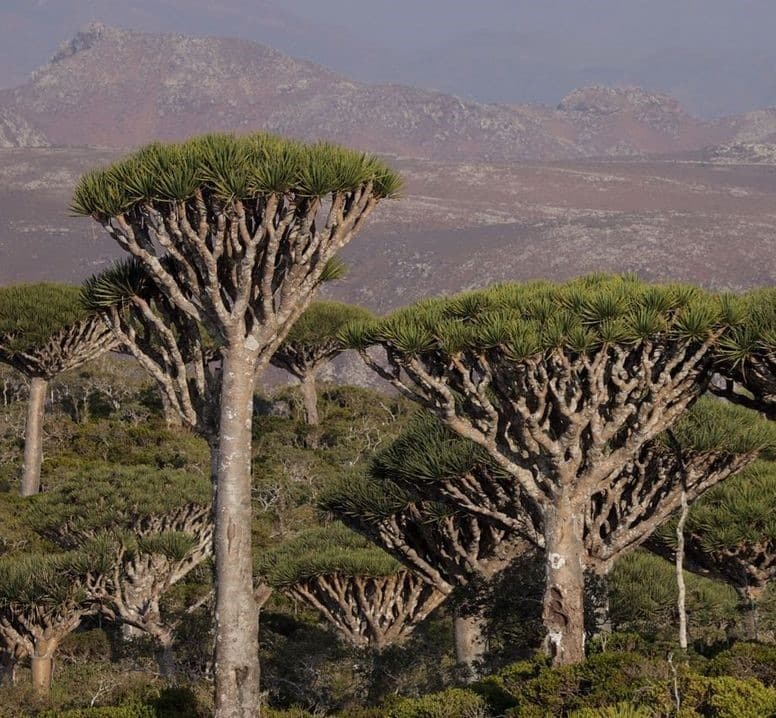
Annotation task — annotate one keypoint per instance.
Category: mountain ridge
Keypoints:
(185, 85)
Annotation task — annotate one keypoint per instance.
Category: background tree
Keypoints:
(747, 356)
(44, 331)
(313, 342)
(564, 386)
(445, 545)
(730, 535)
(43, 598)
(366, 595)
(155, 526)
(643, 599)
(236, 234)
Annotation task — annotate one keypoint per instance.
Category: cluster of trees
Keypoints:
(562, 422)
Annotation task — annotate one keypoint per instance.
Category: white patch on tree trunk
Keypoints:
(556, 561)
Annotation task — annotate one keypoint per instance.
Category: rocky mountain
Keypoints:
(181, 85)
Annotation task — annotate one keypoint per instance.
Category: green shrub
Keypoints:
(621, 710)
(745, 660)
(602, 679)
(452, 703)
(125, 711)
(727, 697)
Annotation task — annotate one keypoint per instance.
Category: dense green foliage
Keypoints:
(527, 319)
(231, 168)
(30, 314)
(332, 549)
(322, 321)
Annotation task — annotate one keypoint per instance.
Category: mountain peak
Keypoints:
(602, 100)
(83, 40)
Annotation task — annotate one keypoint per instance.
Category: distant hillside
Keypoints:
(181, 85)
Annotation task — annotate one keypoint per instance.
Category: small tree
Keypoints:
(155, 527)
(730, 535)
(369, 598)
(43, 598)
(747, 356)
(446, 546)
(312, 343)
(44, 331)
(565, 387)
(236, 234)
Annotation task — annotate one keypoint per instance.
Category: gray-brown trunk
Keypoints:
(7, 668)
(165, 655)
(471, 643)
(33, 438)
(564, 594)
(172, 418)
(237, 616)
(310, 399)
(750, 616)
(43, 667)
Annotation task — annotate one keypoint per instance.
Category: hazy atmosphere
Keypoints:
(716, 56)
(409, 359)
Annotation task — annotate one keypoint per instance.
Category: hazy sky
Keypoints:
(716, 56)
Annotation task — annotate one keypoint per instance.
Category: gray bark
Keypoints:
(33, 438)
(564, 595)
(237, 615)
(310, 399)
(43, 666)
(471, 643)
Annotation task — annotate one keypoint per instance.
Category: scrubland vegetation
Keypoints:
(559, 502)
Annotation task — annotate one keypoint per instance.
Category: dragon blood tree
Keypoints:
(44, 331)
(236, 234)
(312, 343)
(448, 547)
(747, 356)
(43, 598)
(730, 534)
(368, 598)
(565, 386)
(156, 528)
(643, 599)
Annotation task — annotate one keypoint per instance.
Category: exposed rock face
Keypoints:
(741, 153)
(114, 88)
(15, 131)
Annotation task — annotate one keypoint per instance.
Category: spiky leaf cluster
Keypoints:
(643, 595)
(754, 333)
(369, 500)
(427, 451)
(30, 314)
(119, 499)
(314, 337)
(230, 168)
(39, 580)
(737, 513)
(333, 549)
(714, 425)
(524, 320)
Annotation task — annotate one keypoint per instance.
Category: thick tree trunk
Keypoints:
(33, 437)
(750, 615)
(7, 668)
(165, 655)
(310, 399)
(471, 642)
(564, 594)
(237, 615)
(43, 667)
